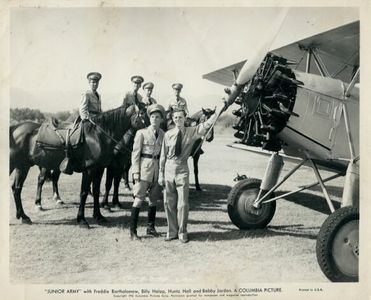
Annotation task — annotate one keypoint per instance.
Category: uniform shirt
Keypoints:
(148, 101)
(189, 136)
(145, 142)
(90, 105)
(181, 103)
(129, 98)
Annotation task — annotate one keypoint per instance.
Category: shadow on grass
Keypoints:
(311, 201)
(297, 230)
(212, 197)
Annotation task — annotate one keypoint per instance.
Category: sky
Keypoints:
(52, 49)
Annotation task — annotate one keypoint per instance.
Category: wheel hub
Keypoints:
(345, 248)
(249, 199)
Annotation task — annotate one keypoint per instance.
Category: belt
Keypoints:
(145, 155)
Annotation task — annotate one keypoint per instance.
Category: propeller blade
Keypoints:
(251, 65)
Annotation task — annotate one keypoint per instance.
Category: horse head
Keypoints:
(138, 117)
(205, 115)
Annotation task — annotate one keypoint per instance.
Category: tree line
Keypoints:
(27, 114)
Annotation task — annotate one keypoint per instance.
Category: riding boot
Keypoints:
(134, 224)
(151, 221)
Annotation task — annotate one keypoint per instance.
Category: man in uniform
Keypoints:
(174, 173)
(89, 106)
(178, 102)
(148, 88)
(145, 168)
(91, 101)
(133, 97)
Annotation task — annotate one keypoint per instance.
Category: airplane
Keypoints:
(301, 101)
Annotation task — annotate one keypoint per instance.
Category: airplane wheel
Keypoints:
(240, 209)
(337, 245)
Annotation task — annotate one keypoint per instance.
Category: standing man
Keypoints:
(174, 173)
(133, 97)
(148, 89)
(178, 102)
(145, 169)
(91, 101)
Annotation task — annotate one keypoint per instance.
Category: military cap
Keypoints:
(137, 79)
(177, 86)
(156, 108)
(94, 76)
(148, 85)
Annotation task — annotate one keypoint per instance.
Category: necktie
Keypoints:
(156, 134)
(178, 144)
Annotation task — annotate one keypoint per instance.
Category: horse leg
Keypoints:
(55, 177)
(196, 157)
(19, 178)
(40, 182)
(97, 178)
(85, 187)
(127, 167)
(109, 176)
(116, 185)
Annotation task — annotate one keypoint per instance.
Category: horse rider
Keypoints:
(148, 88)
(174, 173)
(133, 97)
(91, 101)
(178, 102)
(89, 106)
(145, 169)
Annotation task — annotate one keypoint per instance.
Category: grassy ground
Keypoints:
(55, 250)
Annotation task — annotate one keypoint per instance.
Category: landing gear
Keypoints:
(338, 245)
(240, 206)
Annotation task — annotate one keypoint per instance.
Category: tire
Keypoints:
(337, 245)
(241, 198)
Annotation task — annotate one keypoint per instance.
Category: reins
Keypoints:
(110, 137)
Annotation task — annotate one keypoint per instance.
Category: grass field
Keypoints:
(55, 250)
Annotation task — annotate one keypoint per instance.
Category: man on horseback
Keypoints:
(148, 88)
(145, 169)
(90, 106)
(178, 102)
(133, 97)
(174, 174)
(91, 101)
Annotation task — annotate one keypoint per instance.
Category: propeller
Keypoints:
(249, 68)
(251, 65)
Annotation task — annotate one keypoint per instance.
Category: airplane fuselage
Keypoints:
(319, 131)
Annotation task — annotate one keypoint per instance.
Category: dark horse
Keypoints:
(122, 158)
(91, 158)
(197, 118)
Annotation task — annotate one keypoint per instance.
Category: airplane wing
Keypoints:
(338, 48)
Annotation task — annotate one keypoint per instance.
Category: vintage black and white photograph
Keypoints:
(216, 149)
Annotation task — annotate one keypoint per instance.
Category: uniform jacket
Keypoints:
(171, 165)
(145, 142)
(178, 104)
(90, 105)
(129, 98)
(149, 101)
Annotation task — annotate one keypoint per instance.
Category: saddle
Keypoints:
(55, 136)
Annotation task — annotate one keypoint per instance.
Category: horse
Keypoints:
(46, 175)
(94, 154)
(197, 118)
(122, 159)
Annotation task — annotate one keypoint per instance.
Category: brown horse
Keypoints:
(95, 153)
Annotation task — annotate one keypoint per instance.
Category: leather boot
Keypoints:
(151, 221)
(134, 223)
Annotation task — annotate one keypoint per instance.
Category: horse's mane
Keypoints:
(112, 118)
